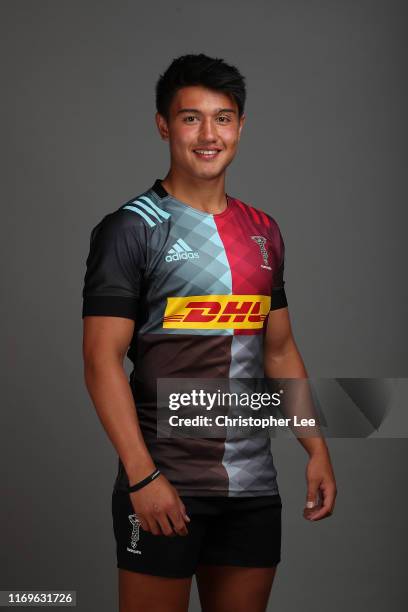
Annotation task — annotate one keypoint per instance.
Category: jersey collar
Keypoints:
(159, 189)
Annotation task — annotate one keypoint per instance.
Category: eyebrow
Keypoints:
(195, 110)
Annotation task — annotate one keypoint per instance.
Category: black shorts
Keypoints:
(243, 531)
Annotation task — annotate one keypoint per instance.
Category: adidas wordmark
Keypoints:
(181, 250)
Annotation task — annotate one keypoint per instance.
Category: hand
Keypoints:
(158, 502)
(321, 487)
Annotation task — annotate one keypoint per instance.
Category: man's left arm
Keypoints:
(283, 360)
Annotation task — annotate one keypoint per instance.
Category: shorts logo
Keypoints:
(180, 250)
(216, 312)
(134, 538)
(260, 240)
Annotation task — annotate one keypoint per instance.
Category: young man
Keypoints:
(188, 282)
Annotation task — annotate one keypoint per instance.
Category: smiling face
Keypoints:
(203, 131)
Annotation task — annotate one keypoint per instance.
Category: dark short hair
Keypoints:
(199, 69)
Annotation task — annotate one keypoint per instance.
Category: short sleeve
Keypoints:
(278, 297)
(114, 267)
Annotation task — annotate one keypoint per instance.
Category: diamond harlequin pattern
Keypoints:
(246, 356)
(249, 464)
(177, 342)
(210, 274)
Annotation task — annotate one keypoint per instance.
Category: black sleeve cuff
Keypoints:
(278, 299)
(109, 306)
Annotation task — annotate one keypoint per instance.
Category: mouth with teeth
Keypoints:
(206, 154)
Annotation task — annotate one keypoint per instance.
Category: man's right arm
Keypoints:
(105, 342)
(115, 268)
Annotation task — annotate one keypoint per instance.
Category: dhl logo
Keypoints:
(216, 311)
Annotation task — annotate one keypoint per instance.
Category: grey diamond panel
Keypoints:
(249, 465)
(209, 274)
(248, 461)
(247, 356)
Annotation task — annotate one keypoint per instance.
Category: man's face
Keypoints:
(203, 131)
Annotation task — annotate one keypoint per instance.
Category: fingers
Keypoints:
(143, 523)
(326, 508)
(177, 519)
(312, 498)
(158, 522)
(149, 524)
(165, 525)
(161, 512)
(153, 527)
(184, 512)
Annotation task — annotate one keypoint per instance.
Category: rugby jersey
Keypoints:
(199, 287)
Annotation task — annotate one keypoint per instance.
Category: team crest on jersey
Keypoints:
(216, 312)
(181, 250)
(134, 538)
(260, 240)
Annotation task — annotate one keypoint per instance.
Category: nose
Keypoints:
(208, 131)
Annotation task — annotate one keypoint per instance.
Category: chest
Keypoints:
(203, 260)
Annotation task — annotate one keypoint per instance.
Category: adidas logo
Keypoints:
(181, 250)
(144, 207)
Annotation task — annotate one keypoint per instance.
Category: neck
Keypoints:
(207, 195)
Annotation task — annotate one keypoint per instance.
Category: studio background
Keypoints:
(323, 151)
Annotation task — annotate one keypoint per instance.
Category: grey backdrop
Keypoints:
(323, 150)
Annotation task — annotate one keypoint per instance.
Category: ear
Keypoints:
(241, 125)
(162, 126)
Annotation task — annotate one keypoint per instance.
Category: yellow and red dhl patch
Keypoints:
(216, 311)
